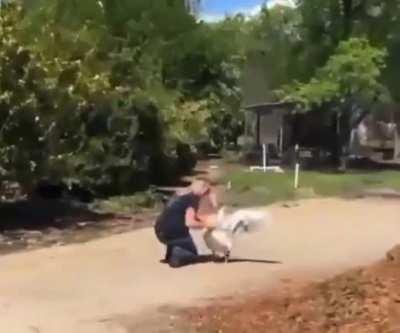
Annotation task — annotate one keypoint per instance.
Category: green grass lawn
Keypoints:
(258, 188)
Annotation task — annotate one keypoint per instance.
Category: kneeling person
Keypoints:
(180, 215)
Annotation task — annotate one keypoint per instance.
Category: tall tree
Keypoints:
(122, 85)
(350, 79)
(325, 24)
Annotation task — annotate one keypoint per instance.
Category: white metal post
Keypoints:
(297, 168)
(264, 157)
(296, 176)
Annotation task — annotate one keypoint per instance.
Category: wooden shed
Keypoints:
(268, 123)
(280, 128)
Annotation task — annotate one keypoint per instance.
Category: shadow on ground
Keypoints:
(254, 261)
(203, 259)
(38, 223)
(206, 259)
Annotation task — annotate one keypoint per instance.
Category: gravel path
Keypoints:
(105, 285)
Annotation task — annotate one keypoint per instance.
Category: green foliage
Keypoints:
(210, 73)
(353, 70)
(103, 92)
(38, 129)
(325, 24)
(275, 37)
(292, 44)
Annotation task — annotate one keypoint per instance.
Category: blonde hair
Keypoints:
(199, 186)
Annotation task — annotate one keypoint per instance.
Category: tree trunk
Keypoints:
(344, 158)
(347, 6)
(343, 130)
(335, 148)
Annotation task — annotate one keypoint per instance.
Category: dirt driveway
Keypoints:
(88, 288)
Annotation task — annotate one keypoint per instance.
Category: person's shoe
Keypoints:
(166, 258)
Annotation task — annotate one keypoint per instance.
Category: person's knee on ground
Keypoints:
(180, 256)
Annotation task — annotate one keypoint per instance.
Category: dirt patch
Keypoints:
(363, 300)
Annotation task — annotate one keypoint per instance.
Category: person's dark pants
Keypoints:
(180, 251)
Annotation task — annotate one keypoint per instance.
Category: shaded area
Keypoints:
(57, 216)
(41, 213)
(37, 223)
(373, 165)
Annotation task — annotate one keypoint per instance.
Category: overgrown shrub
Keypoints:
(98, 96)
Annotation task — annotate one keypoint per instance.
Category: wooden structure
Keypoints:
(268, 124)
(278, 126)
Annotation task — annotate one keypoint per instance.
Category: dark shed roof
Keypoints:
(268, 107)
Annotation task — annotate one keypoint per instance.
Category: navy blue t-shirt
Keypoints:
(171, 223)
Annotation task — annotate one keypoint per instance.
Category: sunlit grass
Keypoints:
(258, 188)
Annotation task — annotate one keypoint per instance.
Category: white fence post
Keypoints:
(297, 167)
(264, 157)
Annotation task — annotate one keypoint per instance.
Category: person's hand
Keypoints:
(209, 221)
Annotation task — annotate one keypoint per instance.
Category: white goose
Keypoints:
(220, 239)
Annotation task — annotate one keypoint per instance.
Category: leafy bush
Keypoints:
(97, 95)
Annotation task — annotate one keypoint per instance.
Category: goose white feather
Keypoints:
(220, 239)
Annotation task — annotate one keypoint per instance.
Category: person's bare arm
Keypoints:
(194, 221)
(209, 220)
